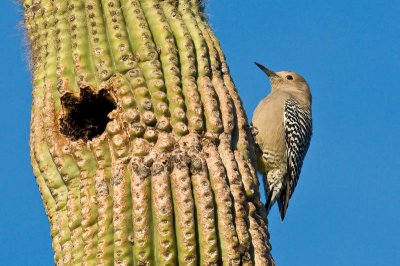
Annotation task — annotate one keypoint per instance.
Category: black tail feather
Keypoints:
(283, 200)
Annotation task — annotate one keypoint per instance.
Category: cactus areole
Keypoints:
(139, 141)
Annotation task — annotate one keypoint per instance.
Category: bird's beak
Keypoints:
(270, 73)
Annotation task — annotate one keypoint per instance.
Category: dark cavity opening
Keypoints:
(86, 117)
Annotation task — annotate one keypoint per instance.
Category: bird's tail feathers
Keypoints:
(283, 200)
(268, 204)
(270, 193)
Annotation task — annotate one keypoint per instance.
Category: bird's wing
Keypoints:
(298, 131)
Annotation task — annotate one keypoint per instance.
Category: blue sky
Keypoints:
(346, 208)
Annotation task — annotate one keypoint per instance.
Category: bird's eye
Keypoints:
(289, 77)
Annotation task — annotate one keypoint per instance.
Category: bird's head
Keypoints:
(288, 81)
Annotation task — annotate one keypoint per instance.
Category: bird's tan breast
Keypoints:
(268, 120)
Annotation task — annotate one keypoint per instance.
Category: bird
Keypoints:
(282, 129)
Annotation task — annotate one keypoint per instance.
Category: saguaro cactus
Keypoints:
(139, 141)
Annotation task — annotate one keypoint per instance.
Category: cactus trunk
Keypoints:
(139, 140)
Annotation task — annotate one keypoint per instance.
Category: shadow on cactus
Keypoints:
(86, 117)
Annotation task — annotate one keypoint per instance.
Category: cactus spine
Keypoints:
(166, 177)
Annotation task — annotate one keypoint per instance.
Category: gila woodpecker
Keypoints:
(282, 128)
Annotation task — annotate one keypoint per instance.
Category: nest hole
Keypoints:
(86, 117)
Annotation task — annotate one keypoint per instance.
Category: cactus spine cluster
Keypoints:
(170, 178)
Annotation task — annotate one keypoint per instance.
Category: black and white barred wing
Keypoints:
(298, 131)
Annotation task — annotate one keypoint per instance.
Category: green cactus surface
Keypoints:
(139, 141)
